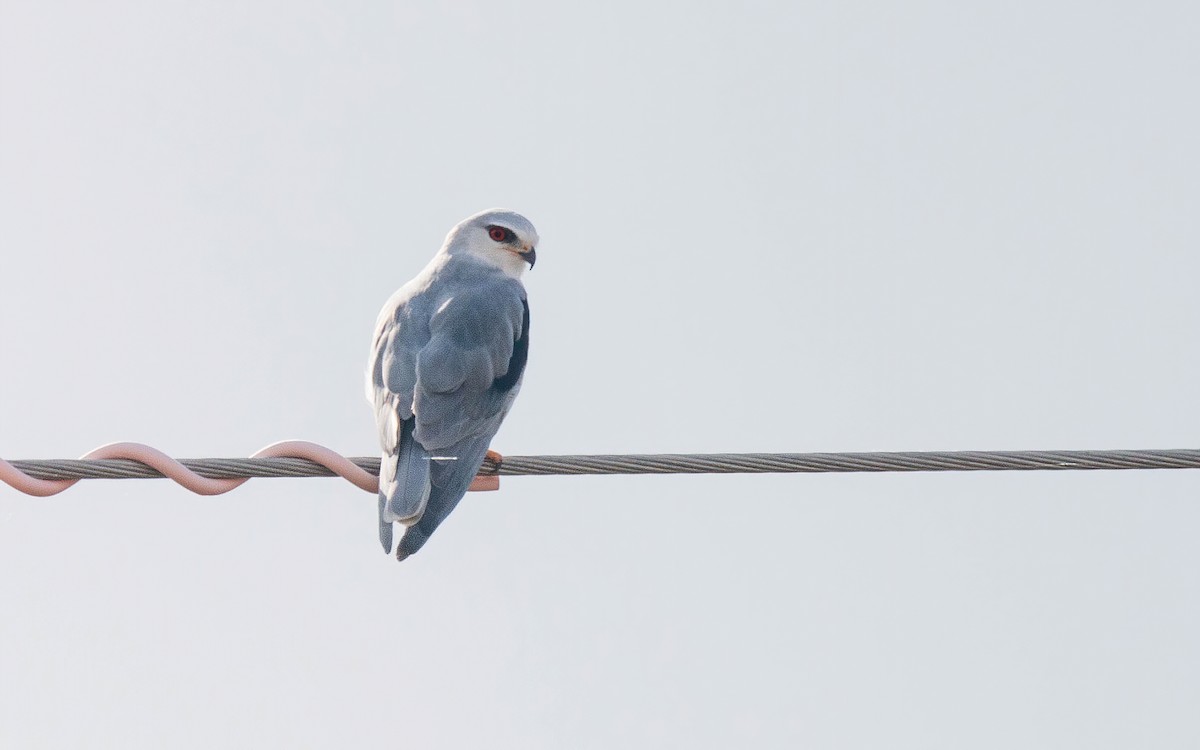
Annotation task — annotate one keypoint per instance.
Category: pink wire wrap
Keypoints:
(189, 479)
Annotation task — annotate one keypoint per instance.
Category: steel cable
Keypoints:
(301, 459)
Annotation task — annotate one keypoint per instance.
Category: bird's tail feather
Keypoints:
(408, 491)
(385, 527)
(403, 485)
(449, 480)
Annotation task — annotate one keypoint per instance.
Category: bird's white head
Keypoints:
(504, 239)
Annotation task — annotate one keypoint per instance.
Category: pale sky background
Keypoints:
(765, 227)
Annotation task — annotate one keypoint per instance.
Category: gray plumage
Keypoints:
(446, 364)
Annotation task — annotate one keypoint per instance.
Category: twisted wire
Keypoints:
(204, 477)
(295, 458)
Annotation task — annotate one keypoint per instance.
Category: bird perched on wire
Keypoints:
(446, 364)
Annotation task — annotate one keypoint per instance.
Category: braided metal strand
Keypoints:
(214, 475)
(762, 463)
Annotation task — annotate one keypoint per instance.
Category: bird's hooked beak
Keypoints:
(530, 256)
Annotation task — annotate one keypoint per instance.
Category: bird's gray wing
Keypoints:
(469, 371)
(467, 378)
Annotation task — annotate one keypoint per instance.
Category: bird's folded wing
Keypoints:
(471, 345)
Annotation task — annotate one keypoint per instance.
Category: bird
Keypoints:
(446, 363)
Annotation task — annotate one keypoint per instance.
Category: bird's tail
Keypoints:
(403, 485)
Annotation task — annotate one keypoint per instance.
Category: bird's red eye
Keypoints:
(499, 234)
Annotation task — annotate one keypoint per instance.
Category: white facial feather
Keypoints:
(471, 237)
